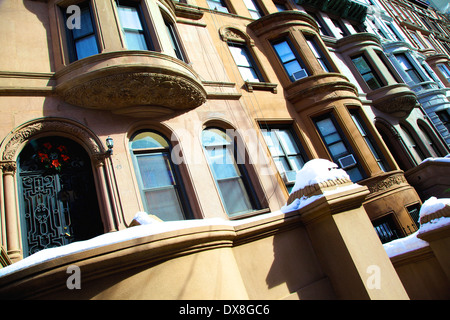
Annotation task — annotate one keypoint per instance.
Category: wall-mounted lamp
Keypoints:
(110, 145)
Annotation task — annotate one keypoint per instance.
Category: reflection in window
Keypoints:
(158, 178)
(229, 174)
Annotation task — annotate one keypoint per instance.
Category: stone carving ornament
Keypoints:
(117, 92)
(27, 132)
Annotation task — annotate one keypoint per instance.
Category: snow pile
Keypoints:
(317, 171)
(299, 203)
(412, 242)
(428, 208)
(142, 218)
(442, 160)
(403, 245)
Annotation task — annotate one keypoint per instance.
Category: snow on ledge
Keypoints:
(148, 227)
(403, 245)
(445, 159)
(412, 242)
(317, 171)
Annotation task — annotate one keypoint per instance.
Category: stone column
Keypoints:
(11, 213)
(103, 195)
(346, 243)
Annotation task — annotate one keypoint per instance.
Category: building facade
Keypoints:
(206, 109)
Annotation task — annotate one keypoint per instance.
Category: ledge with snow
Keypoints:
(310, 249)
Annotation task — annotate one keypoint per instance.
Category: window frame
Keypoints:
(145, 28)
(71, 41)
(318, 53)
(178, 184)
(221, 4)
(253, 65)
(369, 139)
(411, 70)
(243, 174)
(371, 71)
(255, 12)
(266, 127)
(342, 138)
(175, 40)
(444, 117)
(296, 55)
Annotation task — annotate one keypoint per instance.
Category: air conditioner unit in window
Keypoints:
(289, 176)
(347, 161)
(299, 74)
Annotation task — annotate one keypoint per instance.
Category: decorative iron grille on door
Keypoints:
(58, 203)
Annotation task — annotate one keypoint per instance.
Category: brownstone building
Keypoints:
(199, 110)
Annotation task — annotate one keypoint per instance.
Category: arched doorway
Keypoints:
(57, 196)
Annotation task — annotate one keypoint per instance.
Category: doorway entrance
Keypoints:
(57, 196)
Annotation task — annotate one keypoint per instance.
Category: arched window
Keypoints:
(430, 140)
(413, 146)
(229, 172)
(159, 179)
(57, 195)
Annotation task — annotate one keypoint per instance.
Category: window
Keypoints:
(416, 40)
(338, 147)
(322, 27)
(286, 152)
(174, 40)
(281, 6)
(367, 73)
(218, 5)
(230, 175)
(416, 152)
(429, 141)
(369, 140)
(408, 68)
(445, 118)
(394, 32)
(245, 63)
(294, 66)
(83, 41)
(254, 9)
(414, 212)
(361, 27)
(133, 26)
(343, 32)
(158, 178)
(445, 71)
(386, 229)
(318, 53)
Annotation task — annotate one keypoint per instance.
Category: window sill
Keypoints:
(265, 86)
(250, 214)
